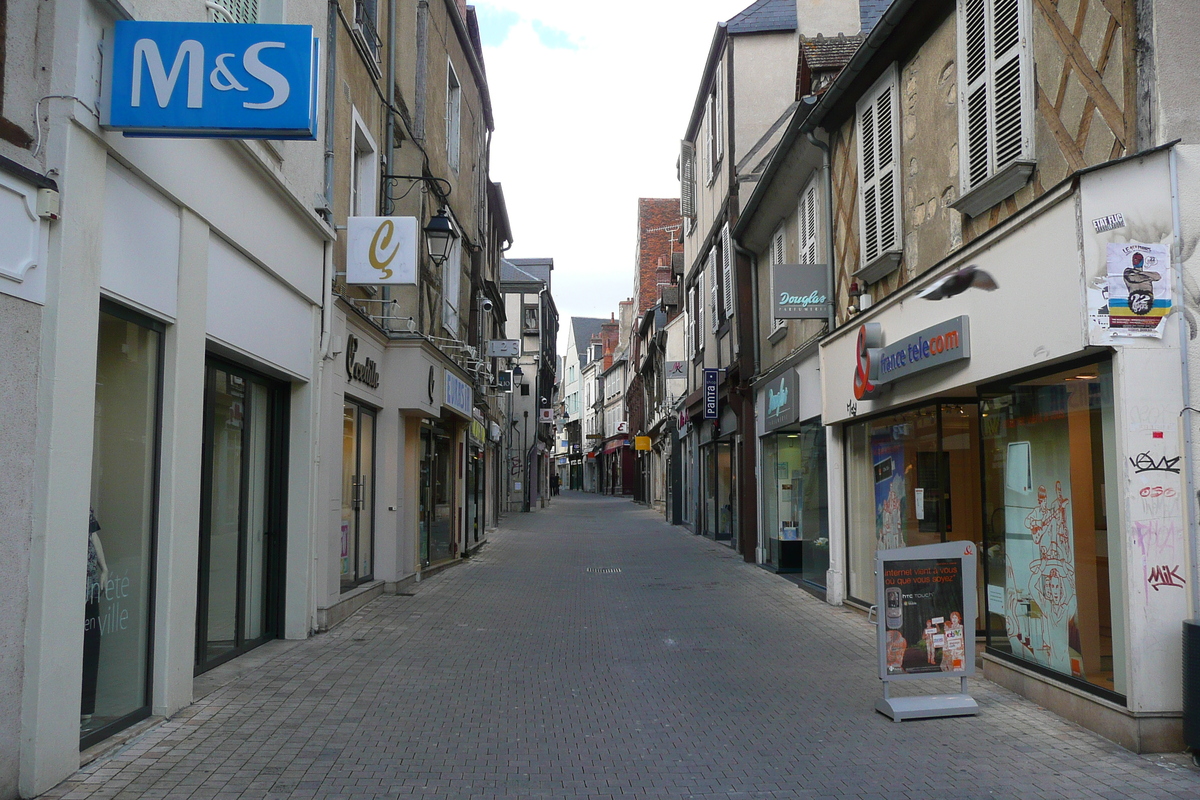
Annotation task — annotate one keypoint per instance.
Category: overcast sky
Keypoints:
(590, 100)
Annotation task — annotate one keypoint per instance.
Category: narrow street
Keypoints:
(591, 650)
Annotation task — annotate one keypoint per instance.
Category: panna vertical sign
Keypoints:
(210, 80)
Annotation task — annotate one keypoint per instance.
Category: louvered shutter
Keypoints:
(879, 186)
(807, 219)
(691, 320)
(687, 179)
(994, 104)
(699, 289)
(778, 255)
(709, 133)
(714, 309)
(727, 270)
(719, 113)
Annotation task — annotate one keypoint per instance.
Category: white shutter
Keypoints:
(709, 126)
(714, 309)
(807, 225)
(995, 104)
(879, 184)
(727, 270)
(778, 256)
(687, 179)
(719, 116)
(690, 321)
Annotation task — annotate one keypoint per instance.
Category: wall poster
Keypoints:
(887, 455)
(1139, 288)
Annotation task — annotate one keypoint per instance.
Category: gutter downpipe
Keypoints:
(389, 136)
(827, 180)
(330, 100)
(1185, 370)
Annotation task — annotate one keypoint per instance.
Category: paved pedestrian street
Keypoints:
(591, 650)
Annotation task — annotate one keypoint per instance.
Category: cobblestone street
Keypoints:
(593, 651)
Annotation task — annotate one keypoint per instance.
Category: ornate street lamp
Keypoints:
(439, 237)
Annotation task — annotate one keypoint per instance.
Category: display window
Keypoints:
(358, 495)
(437, 494)
(1053, 560)
(912, 478)
(242, 513)
(122, 526)
(795, 501)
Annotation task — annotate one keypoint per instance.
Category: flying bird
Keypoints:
(958, 282)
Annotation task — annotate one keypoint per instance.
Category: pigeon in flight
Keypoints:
(958, 282)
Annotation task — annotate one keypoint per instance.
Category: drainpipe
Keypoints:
(827, 179)
(327, 259)
(389, 135)
(1186, 420)
(422, 68)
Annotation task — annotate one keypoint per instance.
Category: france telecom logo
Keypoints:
(212, 80)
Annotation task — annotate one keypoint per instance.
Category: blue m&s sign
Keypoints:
(212, 80)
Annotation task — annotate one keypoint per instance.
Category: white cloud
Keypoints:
(582, 133)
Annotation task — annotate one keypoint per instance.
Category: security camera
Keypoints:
(487, 305)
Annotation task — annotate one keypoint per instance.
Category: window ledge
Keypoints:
(778, 334)
(1003, 184)
(883, 265)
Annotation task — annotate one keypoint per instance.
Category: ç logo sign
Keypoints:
(381, 251)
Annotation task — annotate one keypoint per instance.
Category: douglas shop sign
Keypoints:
(800, 291)
(879, 365)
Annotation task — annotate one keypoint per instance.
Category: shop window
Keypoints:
(1053, 561)
(912, 479)
(795, 499)
(358, 495)
(121, 532)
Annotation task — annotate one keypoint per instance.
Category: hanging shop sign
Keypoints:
(641, 443)
(800, 291)
(879, 364)
(711, 378)
(927, 625)
(1139, 288)
(210, 80)
(504, 348)
(623, 427)
(458, 394)
(365, 372)
(676, 369)
(783, 400)
(545, 415)
(504, 381)
(381, 251)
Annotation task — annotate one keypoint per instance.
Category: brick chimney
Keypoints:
(610, 334)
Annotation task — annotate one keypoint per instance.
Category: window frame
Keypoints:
(453, 117)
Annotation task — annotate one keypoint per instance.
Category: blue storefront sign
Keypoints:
(212, 80)
(458, 394)
(710, 393)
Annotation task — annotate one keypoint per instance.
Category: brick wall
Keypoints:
(658, 233)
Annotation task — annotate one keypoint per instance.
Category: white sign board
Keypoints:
(546, 415)
(381, 251)
(504, 348)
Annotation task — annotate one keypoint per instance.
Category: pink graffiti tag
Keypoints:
(1165, 576)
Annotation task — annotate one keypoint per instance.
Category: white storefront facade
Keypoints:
(1022, 419)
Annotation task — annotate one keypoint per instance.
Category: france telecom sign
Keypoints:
(211, 80)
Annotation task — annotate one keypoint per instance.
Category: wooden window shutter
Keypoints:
(714, 309)
(995, 103)
(687, 179)
(709, 128)
(719, 108)
(879, 184)
(807, 218)
(778, 256)
(727, 270)
(691, 320)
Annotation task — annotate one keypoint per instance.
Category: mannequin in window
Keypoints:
(97, 577)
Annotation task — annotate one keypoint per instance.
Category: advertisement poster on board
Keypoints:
(923, 616)
(1139, 288)
(887, 456)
